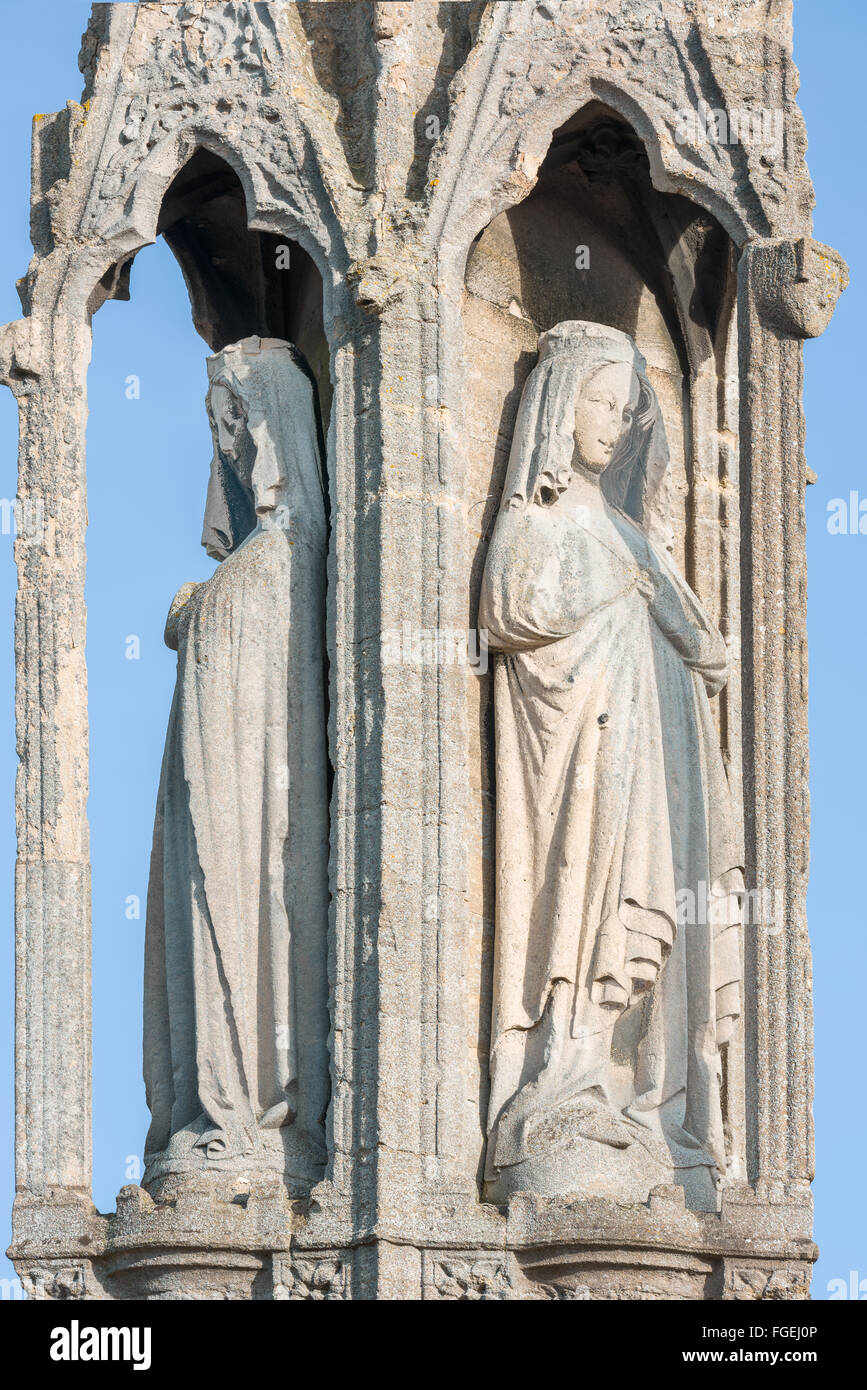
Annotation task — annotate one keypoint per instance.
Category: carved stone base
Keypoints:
(205, 1243)
(616, 1274)
(624, 1168)
(608, 1275)
(195, 1275)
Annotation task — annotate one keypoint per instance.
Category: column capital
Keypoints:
(796, 283)
(21, 351)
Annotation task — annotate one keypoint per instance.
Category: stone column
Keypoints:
(45, 364)
(395, 848)
(787, 291)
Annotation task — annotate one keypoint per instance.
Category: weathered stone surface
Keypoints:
(617, 975)
(435, 170)
(236, 973)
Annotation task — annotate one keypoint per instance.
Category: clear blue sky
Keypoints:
(147, 472)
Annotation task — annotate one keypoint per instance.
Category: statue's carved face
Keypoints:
(603, 410)
(269, 487)
(260, 473)
(230, 420)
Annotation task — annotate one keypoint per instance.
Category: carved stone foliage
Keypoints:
(221, 69)
(315, 1278)
(745, 1283)
(463, 1278)
(609, 151)
(562, 1293)
(202, 74)
(231, 121)
(57, 1282)
(614, 1292)
(711, 116)
(200, 43)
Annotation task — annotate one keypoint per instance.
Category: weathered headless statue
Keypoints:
(236, 1005)
(613, 1001)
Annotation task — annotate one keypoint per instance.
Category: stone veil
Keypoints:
(236, 1015)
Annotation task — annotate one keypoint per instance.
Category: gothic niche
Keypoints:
(639, 283)
(236, 995)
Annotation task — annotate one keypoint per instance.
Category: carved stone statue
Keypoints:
(236, 1010)
(615, 991)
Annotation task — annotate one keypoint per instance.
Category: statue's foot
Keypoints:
(279, 1115)
(217, 1144)
(585, 1115)
(596, 1120)
(278, 1146)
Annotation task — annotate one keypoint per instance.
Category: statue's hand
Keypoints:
(179, 602)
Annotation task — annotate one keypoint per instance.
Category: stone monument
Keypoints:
(236, 991)
(612, 1010)
(476, 962)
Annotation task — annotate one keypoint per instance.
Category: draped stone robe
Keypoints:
(611, 800)
(236, 1012)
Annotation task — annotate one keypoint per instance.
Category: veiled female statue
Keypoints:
(613, 1001)
(236, 1011)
